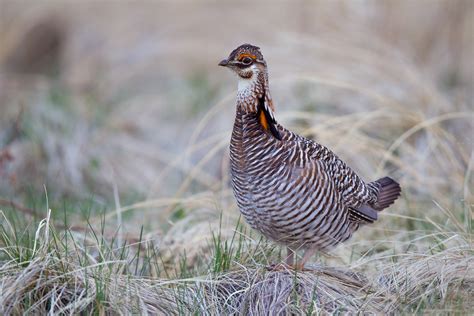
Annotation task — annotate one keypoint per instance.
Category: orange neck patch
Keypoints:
(263, 120)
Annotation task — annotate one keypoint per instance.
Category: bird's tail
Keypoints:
(388, 191)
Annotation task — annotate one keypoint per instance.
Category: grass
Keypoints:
(64, 271)
(131, 143)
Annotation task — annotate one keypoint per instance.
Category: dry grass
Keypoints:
(68, 273)
(128, 103)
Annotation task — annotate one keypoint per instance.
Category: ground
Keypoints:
(114, 185)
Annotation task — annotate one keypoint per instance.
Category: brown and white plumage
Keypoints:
(292, 189)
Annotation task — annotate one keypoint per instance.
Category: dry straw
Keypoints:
(388, 88)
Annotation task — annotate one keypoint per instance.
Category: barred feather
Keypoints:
(292, 189)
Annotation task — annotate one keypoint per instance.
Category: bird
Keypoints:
(292, 189)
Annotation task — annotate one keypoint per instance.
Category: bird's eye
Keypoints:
(247, 61)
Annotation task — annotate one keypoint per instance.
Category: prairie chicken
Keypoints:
(292, 189)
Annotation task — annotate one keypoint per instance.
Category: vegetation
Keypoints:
(114, 187)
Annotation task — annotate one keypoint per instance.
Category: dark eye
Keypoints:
(247, 61)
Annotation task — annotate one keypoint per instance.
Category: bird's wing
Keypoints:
(356, 195)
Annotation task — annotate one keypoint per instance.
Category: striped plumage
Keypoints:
(292, 189)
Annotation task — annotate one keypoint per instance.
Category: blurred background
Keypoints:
(123, 104)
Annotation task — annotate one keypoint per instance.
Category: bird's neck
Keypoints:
(252, 91)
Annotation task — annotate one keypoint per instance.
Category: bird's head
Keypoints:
(253, 89)
(246, 61)
(253, 94)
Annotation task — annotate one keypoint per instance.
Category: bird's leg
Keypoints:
(308, 254)
(290, 261)
(290, 257)
(287, 265)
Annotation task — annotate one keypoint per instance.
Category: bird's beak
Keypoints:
(224, 62)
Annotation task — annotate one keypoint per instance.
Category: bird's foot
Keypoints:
(286, 267)
(279, 267)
